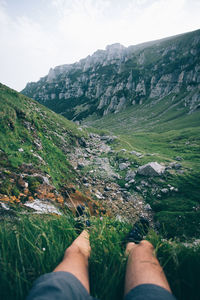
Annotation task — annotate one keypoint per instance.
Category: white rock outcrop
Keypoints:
(151, 169)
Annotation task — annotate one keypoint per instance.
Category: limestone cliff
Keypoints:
(118, 77)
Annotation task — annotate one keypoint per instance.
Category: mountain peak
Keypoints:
(115, 47)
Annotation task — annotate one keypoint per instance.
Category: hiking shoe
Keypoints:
(139, 230)
(82, 218)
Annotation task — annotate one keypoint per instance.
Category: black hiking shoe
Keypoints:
(137, 233)
(82, 218)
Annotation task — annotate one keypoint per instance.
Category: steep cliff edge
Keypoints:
(116, 78)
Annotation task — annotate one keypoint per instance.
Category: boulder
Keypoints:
(124, 166)
(127, 185)
(147, 207)
(108, 138)
(151, 169)
(175, 166)
(43, 207)
(38, 144)
(178, 158)
(164, 191)
(80, 165)
(131, 181)
(136, 153)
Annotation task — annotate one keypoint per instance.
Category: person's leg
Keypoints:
(143, 267)
(75, 260)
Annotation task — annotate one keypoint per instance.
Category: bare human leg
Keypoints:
(143, 267)
(75, 259)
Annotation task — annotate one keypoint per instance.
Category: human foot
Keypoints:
(82, 242)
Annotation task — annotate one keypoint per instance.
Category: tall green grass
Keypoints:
(31, 245)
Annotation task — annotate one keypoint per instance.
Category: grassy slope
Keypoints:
(18, 114)
(166, 130)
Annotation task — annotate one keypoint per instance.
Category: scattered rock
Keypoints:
(144, 183)
(21, 150)
(4, 206)
(131, 181)
(108, 139)
(178, 158)
(22, 183)
(94, 135)
(164, 191)
(121, 219)
(138, 188)
(147, 207)
(80, 165)
(180, 171)
(82, 142)
(151, 169)
(136, 153)
(127, 185)
(107, 188)
(85, 180)
(122, 150)
(42, 207)
(40, 158)
(38, 144)
(175, 165)
(130, 175)
(104, 148)
(124, 166)
(99, 195)
(88, 150)
(173, 189)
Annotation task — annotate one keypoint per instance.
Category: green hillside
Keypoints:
(166, 134)
(34, 143)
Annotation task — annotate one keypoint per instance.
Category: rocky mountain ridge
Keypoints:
(116, 78)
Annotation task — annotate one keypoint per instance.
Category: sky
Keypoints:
(36, 35)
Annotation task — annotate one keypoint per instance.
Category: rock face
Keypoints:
(111, 80)
(151, 169)
(42, 207)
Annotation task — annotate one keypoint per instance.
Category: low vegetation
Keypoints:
(30, 133)
(33, 245)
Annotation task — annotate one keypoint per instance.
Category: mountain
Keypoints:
(117, 78)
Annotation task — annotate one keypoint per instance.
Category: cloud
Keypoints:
(25, 47)
(64, 31)
(95, 23)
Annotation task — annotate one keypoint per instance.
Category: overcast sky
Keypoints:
(36, 35)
